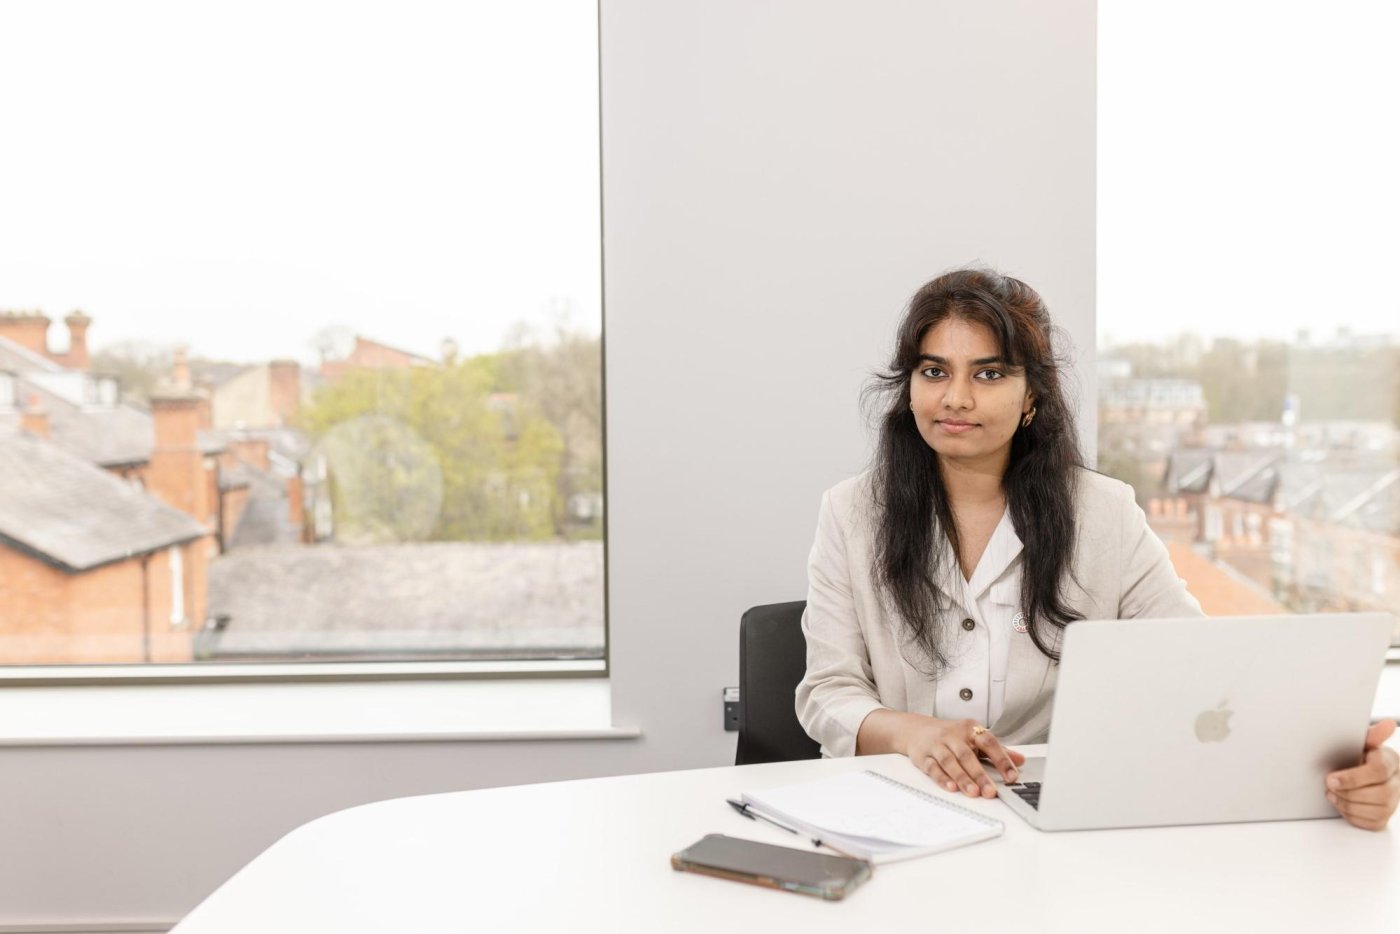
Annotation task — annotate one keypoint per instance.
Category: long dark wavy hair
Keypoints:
(912, 510)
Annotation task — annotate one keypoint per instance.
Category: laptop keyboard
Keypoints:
(1028, 792)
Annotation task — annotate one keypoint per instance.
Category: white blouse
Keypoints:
(981, 654)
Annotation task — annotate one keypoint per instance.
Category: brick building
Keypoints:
(93, 568)
(366, 354)
(1317, 529)
(257, 396)
(30, 330)
(162, 468)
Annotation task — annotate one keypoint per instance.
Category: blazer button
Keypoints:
(969, 625)
(965, 693)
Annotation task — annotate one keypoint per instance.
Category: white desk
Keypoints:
(594, 856)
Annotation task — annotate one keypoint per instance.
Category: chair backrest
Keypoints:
(772, 660)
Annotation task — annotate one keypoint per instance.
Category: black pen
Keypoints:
(751, 814)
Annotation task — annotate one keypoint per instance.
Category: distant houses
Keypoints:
(263, 395)
(1261, 515)
(180, 527)
(92, 568)
(365, 354)
(111, 511)
(1318, 527)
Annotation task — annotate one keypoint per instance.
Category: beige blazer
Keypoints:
(855, 664)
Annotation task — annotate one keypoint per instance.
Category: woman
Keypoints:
(942, 579)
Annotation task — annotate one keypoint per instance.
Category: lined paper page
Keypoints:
(863, 804)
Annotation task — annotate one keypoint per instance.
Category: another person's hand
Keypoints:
(1368, 794)
(950, 750)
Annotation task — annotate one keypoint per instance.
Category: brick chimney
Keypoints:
(77, 356)
(177, 475)
(205, 391)
(34, 419)
(181, 369)
(252, 451)
(284, 391)
(296, 504)
(29, 329)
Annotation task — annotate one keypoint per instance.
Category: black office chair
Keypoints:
(772, 660)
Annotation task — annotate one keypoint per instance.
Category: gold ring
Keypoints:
(979, 730)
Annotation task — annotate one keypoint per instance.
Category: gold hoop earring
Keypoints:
(1030, 416)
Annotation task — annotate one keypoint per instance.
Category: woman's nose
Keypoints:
(958, 395)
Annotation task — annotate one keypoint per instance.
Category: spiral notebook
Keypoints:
(873, 816)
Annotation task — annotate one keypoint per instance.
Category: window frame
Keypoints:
(297, 672)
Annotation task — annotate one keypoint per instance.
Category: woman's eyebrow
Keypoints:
(943, 361)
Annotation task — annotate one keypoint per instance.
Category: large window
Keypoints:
(1249, 333)
(300, 344)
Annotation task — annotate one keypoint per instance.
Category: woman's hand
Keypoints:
(947, 750)
(1367, 794)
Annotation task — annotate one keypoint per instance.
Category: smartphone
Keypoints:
(777, 867)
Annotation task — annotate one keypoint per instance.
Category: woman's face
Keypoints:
(967, 400)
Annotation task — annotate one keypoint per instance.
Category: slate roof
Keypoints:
(1365, 497)
(480, 600)
(265, 519)
(214, 372)
(234, 478)
(76, 516)
(110, 436)
(290, 443)
(17, 358)
(1252, 476)
(1189, 470)
(1343, 487)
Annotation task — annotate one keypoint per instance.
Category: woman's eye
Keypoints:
(988, 375)
(932, 372)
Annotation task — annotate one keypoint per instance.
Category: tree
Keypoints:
(561, 377)
(434, 452)
(1245, 382)
(140, 365)
(137, 366)
(1344, 382)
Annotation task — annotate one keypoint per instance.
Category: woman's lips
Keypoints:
(957, 428)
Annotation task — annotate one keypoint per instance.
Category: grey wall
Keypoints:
(778, 177)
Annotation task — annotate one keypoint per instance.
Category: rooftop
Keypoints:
(410, 600)
(75, 515)
(1221, 590)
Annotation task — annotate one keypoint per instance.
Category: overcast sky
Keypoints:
(238, 176)
(1249, 167)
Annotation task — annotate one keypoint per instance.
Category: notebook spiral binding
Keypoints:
(980, 818)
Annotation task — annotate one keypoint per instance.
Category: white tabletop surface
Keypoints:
(594, 855)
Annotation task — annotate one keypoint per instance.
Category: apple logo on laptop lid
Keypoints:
(1212, 726)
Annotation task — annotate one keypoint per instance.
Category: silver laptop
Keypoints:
(1202, 721)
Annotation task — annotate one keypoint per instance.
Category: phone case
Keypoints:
(826, 877)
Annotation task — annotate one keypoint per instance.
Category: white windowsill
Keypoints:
(336, 712)
(208, 673)
(503, 709)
